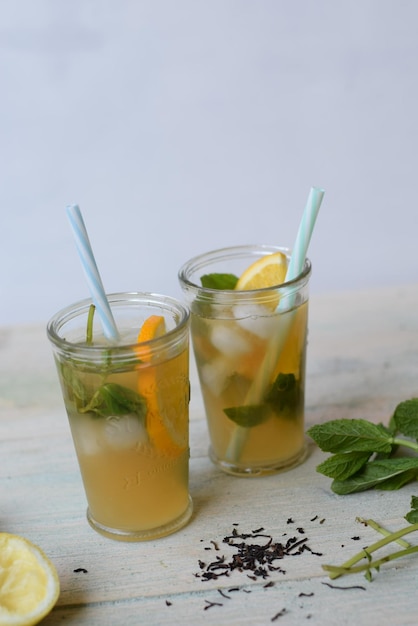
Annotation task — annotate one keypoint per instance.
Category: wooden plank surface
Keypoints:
(362, 361)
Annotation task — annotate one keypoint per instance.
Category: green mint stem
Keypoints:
(336, 571)
(89, 330)
(381, 530)
(405, 442)
(346, 568)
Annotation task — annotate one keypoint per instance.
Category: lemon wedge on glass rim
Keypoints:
(29, 583)
(268, 271)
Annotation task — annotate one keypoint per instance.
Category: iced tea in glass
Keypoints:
(250, 350)
(127, 405)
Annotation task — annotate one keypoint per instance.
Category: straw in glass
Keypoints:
(92, 273)
(258, 388)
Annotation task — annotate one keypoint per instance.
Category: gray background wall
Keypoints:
(184, 125)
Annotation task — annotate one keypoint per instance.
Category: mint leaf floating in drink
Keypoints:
(364, 453)
(248, 416)
(286, 396)
(113, 399)
(109, 398)
(365, 558)
(219, 281)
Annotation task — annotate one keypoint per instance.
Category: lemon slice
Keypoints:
(29, 584)
(268, 271)
(152, 381)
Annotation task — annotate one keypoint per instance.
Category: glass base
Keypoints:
(259, 470)
(143, 535)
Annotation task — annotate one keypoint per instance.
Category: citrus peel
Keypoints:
(150, 380)
(29, 583)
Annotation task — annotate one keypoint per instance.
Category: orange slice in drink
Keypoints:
(150, 381)
(154, 326)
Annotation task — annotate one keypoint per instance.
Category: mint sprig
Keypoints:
(365, 557)
(364, 453)
(106, 400)
(113, 399)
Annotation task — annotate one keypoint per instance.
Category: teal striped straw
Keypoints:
(91, 271)
(304, 234)
(297, 260)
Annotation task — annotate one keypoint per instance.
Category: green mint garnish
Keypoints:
(363, 452)
(109, 399)
(285, 398)
(285, 395)
(89, 331)
(219, 281)
(113, 399)
(248, 416)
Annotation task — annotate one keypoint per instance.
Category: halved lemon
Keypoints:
(268, 271)
(29, 583)
(156, 383)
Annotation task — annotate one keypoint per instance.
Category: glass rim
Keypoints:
(202, 260)
(80, 307)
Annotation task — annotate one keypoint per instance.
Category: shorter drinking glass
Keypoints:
(127, 405)
(250, 350)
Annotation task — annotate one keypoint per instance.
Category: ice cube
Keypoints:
(214, 375)
(255, 319)
(86, 434)
(124, 431)
(229, 340)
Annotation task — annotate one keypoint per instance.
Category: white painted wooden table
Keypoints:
(362, 361)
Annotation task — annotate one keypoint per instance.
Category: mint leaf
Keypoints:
(219, 281)
(414, 502)
(286, 395)
(113, 399)
(351, 435)
(375, 473)
(248, 416)
(406, 418)
(412, 516)
(342, 466)
(73, 386)
(398, 481)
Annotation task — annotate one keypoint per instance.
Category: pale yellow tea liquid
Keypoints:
(134, 467)
(230, 353)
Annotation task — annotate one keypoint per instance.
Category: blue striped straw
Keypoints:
(92, 273)
(304, 233)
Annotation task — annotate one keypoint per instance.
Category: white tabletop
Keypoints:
(362, 361)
